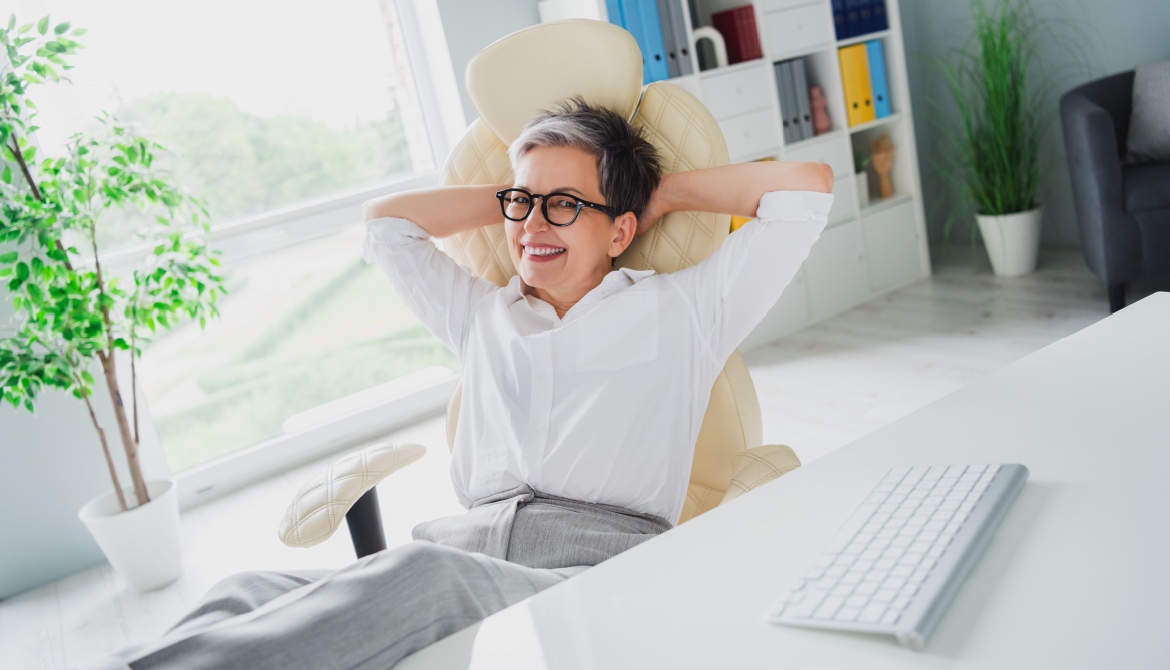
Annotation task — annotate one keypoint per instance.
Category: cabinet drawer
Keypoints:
(835, 272)
(731, 94)
(891, 246)
(835, 152)
(750, 135)
(798, 29)
(844, 200)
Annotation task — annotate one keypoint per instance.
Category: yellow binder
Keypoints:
(858, 91)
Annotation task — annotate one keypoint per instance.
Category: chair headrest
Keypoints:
(513, 80)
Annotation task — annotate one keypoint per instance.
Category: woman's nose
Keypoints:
(536, 220)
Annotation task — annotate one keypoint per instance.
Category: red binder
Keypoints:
(738, 27)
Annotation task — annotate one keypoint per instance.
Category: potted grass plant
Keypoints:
(73, 315)
(997, 141)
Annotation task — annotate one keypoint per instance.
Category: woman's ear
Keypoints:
(624, 229)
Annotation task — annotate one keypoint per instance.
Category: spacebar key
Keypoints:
(846, 533)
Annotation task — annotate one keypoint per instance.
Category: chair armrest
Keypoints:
(755, 467)
(1110, 240)
(321, 504)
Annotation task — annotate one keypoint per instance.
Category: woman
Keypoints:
(584, 389)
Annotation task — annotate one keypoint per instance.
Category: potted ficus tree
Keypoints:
(72, 315)
(996, 143)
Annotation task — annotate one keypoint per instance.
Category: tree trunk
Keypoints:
(105, 447)
(124, 428)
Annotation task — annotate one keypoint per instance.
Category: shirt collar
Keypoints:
(614, 282)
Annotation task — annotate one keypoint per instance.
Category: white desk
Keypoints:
(1077, 577)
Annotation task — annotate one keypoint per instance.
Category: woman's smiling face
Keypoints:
(563, 260)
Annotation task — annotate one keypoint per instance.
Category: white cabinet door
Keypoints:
(789, 314)
(891, 246)
(836, 271)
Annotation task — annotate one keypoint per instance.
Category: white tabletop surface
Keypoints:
(1078, 575)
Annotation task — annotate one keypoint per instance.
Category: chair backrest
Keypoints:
(601, 63)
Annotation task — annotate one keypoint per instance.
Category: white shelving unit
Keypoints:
(865, 251)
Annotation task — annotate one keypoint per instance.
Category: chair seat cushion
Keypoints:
(1147, 186)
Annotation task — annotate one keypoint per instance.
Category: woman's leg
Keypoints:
(368, 615)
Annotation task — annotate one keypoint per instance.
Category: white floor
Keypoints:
(819, 389)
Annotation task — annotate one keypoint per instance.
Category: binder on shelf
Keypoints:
(855, 78)
(738, 27)
(784, 88)
(801, 82)
(668, 45)
(674, 32)
(877, 78)
(839, 19)
(642, 19)
(852, 17)
(865, 16)
(880, 19)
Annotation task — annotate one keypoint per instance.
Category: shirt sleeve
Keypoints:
(441, 292)
(733, 288)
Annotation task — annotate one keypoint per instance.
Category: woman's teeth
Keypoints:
(543, 251)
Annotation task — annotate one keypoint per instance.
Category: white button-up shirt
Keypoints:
(605, 404)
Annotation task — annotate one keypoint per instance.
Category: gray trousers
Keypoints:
(386, 606)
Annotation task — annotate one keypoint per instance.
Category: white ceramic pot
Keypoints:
(142, 544)
(1012, 241)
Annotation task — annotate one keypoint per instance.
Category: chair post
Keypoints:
(365, 524)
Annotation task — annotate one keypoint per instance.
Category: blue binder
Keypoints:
(852, 18)
(865, 11)
(641, 19)
(877, 78)
(614, 9)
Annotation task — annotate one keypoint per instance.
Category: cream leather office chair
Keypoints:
(601, 63)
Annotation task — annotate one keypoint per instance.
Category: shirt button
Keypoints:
(540, 379)
(538, 427)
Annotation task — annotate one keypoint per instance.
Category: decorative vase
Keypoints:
(1012, 241)
(142, 544)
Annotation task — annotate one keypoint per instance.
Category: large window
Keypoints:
(267, 107)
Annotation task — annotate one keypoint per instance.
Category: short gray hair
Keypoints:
(628, 166)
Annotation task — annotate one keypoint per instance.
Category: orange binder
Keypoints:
(858, 91)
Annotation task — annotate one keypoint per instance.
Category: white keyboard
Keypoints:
(897, 562)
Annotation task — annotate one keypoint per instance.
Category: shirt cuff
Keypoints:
(795, 206)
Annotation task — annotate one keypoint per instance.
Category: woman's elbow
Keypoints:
(822, 177)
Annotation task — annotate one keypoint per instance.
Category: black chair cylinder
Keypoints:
(365, 525)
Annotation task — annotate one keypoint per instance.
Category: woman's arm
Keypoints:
(733, 189)
(441, 211)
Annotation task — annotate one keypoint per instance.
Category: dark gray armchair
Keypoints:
(1123, 210)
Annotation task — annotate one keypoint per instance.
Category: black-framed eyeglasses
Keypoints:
(559, 209)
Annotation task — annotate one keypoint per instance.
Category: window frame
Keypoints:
(428, 395)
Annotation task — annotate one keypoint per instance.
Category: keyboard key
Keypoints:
(848, 614)
(893, 583)
(836, 571)
(822, 561)
(857, 601)
(885, 564)
(876, 576)
(899, 603)
(866, 589)
(884, 596)
(853, 578)
(811, 602)
(842, 590)
(828, 608)
(825, 583)
(871, 613)
(902, 571)
(891, 618)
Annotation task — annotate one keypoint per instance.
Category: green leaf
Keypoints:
(43, 25)
(7, 174)
(8, 257)
(61, 28)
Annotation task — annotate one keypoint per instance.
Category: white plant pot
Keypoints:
(142, 544)
(1012, 241)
